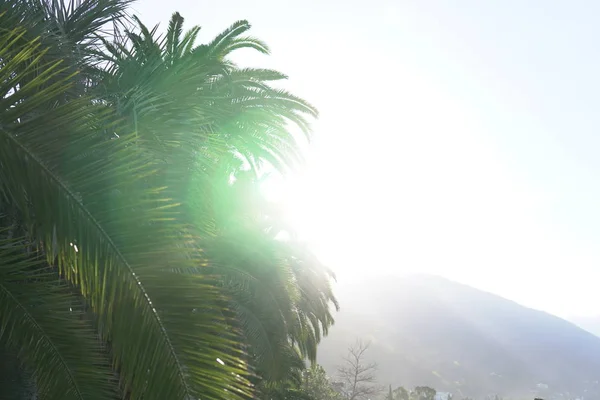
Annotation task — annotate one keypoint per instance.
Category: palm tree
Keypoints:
(202, 96)
(84, 268)
(281, 293)
(93, 237)
(218, 102)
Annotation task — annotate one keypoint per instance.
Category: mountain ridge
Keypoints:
(588, 323)
(428, 330)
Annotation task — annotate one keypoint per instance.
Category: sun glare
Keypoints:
(366, 208)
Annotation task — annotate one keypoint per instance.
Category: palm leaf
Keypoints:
(177, 105)
(218, 46)
(279, 290)
(174, 42)
(126, 234)
(187, 44)
(42, 319)
(16, 383)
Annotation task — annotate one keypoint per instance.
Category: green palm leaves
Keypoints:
(42, 316)
(202, 97)
(280, 291)
(119, 275)
(114, 237)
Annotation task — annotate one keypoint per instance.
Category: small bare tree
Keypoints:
(357, 378)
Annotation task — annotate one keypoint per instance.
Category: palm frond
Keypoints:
(174, 42)
(219, 45)
(279, 290)
(187, 43)
(114, 235)
(16, 383)
(246, 42)
(183, 99)
(69, 30)
(45, 323)
(81, 20)
(103, 185)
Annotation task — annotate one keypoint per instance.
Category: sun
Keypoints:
(321, 219)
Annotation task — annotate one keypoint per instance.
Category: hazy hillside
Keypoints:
(590, 324)
(430, 331)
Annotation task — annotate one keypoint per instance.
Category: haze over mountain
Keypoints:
(590, 324)
(426, 330)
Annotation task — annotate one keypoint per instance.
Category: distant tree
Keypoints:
(423, 393)
(401, 394)
(357, 377)
(317, 386)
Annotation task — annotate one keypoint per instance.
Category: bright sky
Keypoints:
(459, 138)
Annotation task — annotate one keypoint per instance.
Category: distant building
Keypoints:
(443, 396)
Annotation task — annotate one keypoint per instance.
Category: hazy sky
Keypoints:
(460, 138)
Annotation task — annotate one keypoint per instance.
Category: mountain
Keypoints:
(590, 324)
(426, 330)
